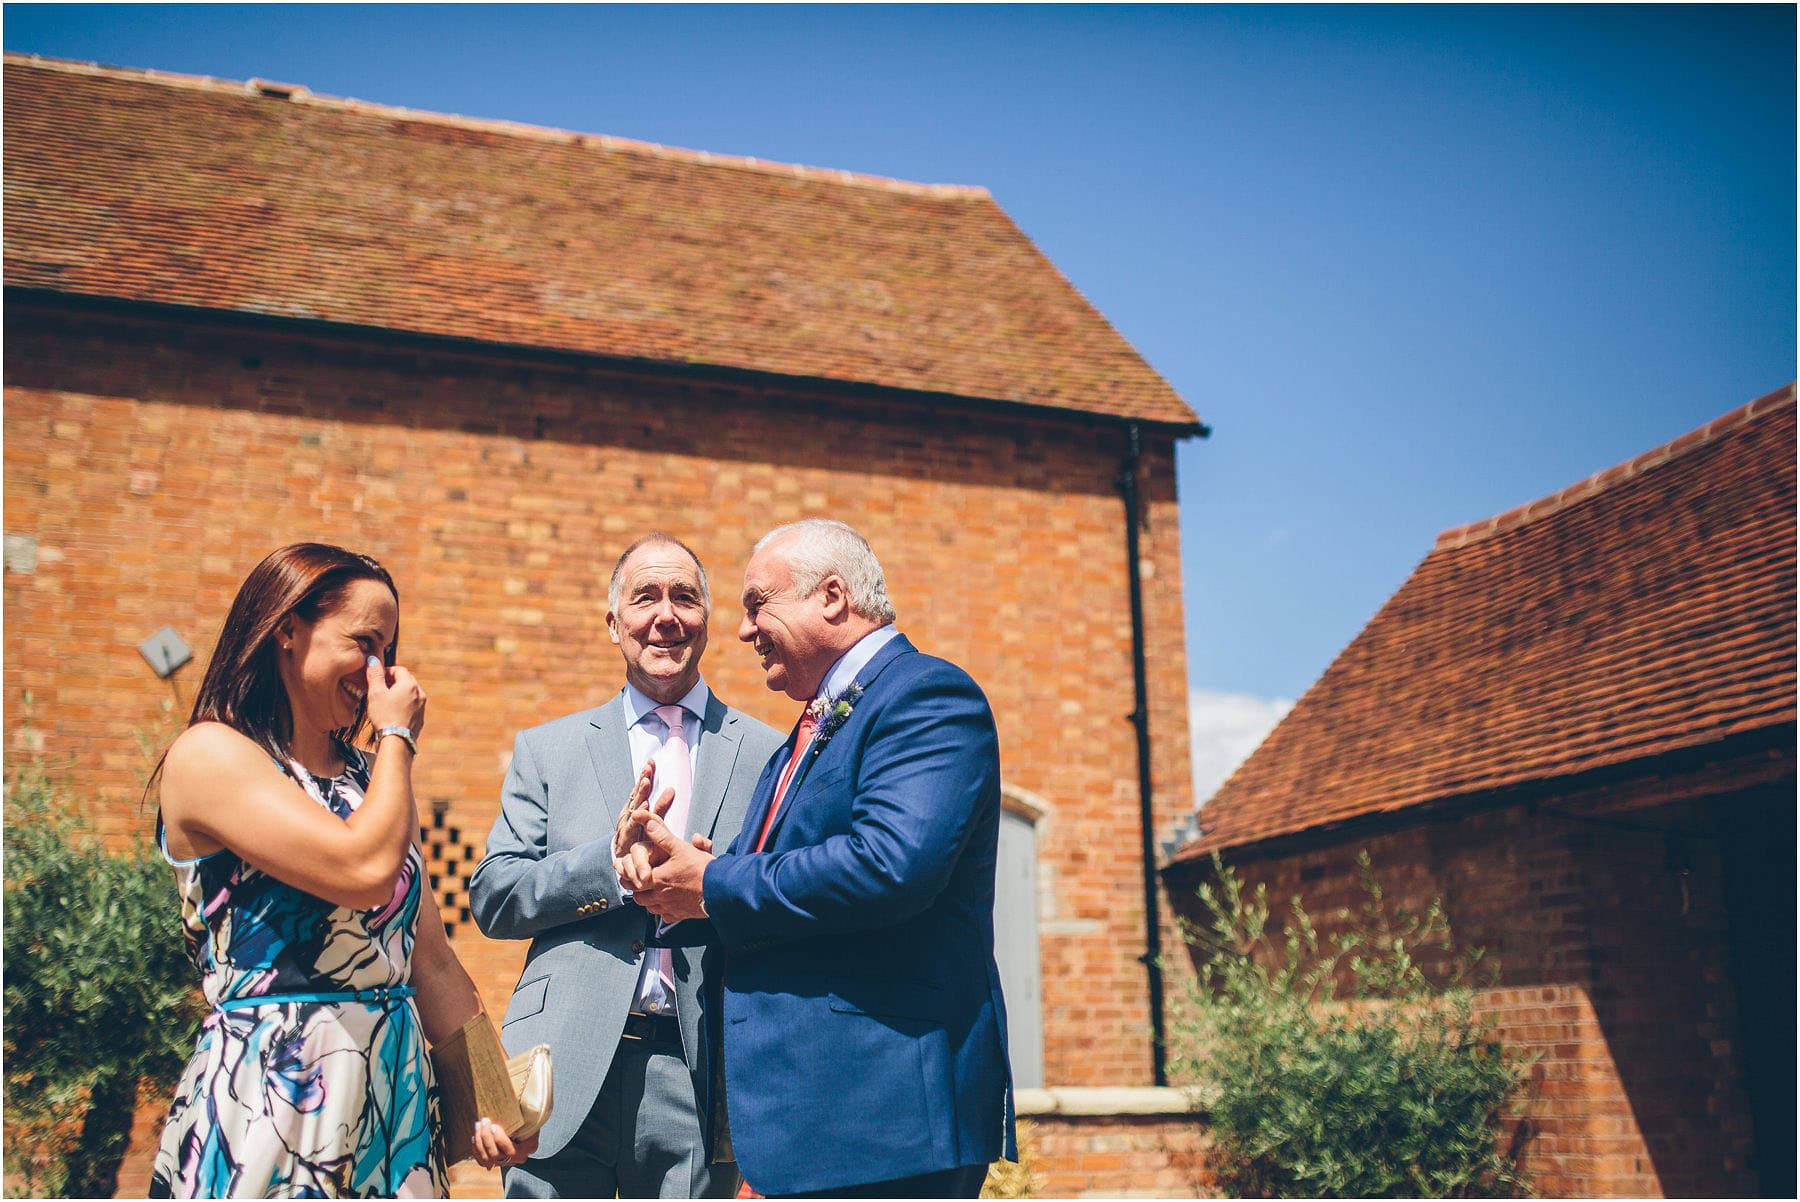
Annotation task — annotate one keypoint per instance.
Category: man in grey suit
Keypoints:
(633, 1032)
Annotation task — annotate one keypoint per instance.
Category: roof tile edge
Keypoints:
(1207, 842)
(1462, 536)
(300, 94)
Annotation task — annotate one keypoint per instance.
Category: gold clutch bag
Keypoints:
(475, 1080)
(530, 1073)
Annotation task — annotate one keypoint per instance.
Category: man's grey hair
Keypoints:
(616, 585)
(820, 547)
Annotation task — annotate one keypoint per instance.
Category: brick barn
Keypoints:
(1575, 724)
(239, 314)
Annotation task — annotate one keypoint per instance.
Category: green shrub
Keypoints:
(1338, 1068)
(100, 995)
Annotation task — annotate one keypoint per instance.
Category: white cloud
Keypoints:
(1226, 728)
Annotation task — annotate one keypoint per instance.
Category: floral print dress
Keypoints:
(310, 1078)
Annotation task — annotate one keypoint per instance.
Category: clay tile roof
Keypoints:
(264, 198)
(1645, 610)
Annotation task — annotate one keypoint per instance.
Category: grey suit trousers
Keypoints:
(640, 1140)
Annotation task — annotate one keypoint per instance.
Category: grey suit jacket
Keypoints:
(548, 877)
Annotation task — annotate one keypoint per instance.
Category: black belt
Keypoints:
(652, 1028)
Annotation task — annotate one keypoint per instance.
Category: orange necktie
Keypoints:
(803, 740)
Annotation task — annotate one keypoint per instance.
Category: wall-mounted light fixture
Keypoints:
(164, 652)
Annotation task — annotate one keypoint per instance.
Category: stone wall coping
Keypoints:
(1103, 1100)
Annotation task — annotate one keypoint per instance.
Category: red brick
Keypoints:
(1630, 1098)
(424, 461)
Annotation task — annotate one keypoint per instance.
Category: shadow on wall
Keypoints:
(402, 380)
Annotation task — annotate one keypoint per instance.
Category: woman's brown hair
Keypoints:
(242, 687)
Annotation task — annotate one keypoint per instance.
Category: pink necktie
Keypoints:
(674, 770)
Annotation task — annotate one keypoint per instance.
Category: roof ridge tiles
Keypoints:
(290, 93)
(1512, 519)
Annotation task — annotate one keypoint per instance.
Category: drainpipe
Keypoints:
(1140, 718)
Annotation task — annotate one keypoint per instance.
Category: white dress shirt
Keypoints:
(843, 673)
(645, 733)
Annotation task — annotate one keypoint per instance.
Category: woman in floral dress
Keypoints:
(302, 891)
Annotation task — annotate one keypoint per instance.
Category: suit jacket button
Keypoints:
(601, 904)
(637, 946)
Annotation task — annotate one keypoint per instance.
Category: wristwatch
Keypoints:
(403, 732)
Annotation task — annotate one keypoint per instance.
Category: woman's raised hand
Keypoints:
(395, 698)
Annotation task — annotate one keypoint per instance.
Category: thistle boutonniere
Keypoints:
(831, 714)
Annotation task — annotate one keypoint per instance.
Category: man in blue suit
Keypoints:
(865, 1034)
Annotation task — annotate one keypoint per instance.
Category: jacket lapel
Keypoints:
(610, 753)
(896, 646)
(719, 739)
(759, 800)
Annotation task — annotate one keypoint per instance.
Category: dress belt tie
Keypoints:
(385, 996)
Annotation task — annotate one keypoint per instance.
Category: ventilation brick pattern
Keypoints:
(450, 860)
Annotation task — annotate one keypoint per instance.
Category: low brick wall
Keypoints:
(1114, 1143)
(1082, 1142)
(146, 1133)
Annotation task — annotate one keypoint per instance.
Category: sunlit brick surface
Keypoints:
(154, 463)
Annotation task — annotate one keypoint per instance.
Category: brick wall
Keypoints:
(1087, 1156)
(154, 463)
(1609, 933)
(1121, 1156)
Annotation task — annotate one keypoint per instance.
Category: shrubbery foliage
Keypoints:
(1338, 1068)
(100, 995)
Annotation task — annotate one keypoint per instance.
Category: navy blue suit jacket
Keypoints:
(865, 1034)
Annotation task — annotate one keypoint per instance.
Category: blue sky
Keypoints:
(1415, 265)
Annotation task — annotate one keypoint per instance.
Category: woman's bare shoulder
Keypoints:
(206, 751)
(212, 738)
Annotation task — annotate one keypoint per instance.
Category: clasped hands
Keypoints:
(663, 871)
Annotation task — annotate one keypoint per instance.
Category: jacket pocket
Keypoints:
(892, 999)
(527, 999)
(824, 782)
